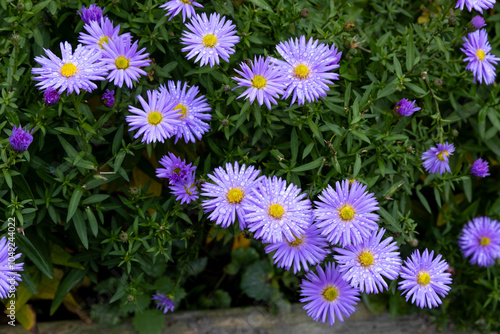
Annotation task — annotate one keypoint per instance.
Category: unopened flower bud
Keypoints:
(304, 12)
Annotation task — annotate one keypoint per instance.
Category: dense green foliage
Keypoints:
(85, 210)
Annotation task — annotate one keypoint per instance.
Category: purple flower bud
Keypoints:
(406, 108)
(478, 22)
(480, 168)
(50, 96)
(109, 98)
(93, 13)
(20, 139)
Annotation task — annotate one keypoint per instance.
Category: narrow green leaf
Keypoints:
(95, 199)
(294, 145)
(410, 51)
(311, 165)
(92, 221)
(73, 202)
(423, 200)
(468, 188)
(357, 166)
(43, 263)
(397, 67)
(67, 283)
(117, 141)
(390, 219)
(81, 228)
(8, 178)
(262, 4)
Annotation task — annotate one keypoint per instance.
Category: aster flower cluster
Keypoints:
(181, 178)
(304, 74)
(9, 275)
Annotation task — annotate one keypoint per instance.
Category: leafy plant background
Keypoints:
(95, 220)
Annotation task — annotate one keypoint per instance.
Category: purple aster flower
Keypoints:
(209, 39)
(124, 61)
(307, 68)
(264, 81)
(8, 268)
(478, 22)
(194, 111)
(363, 265)
(229, 193)
(174, 7)
(74, 72)
(20, 139)
(425, 278)
(50, 96)
(99, 33)
(163, 302)
(108, 98)
(481, 62)
(307, 249)
(437, 159)
(186, 191)
(93, 13)
(328, 294)
(478, 5)
(481, 239)
(480, 168)
(175, 169)
(157, 120)
(406, 108)
(277, 212)
(344, 215)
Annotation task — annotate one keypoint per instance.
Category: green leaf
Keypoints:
(397, 67)
(81, 228)
(149, 322)
(357, 166)
(70, 150)
(423, 200)
(255, 281)
(38, 258)
(294, 145)
(468, 188)
(8, 178)
(262, 4)
(67, 283)
(418, 90)
(390, 219)
(410, 51)
(73, 202)
(311, 165)
(117, 140)
(95, 199)
(92, 221)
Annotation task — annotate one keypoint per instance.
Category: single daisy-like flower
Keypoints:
(308, 249)
(277, 212)
(99, 33)
(345, 215)
(157, 120)
(164, 303)
(307, 68)
(50, 96)
(481, 62)
(175, 169)
(425, 278)
(363, 265)
(264, 81)
(186, 191)
(108, 98)
(124, 61)
(481, 239)
(194, 111)
(209, 39)
(8, 275)
(406, 108)
(174, 7)
(478, 22)
(478, 5)
(437, 160)
(229, 193)
(327, 294)
(71, 73)
(93, 13)
(480, 168)
(20, 139)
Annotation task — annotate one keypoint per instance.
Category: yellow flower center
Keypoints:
(276, 211)
(188, 189)
(187, 2)
(183, 110)
(209, 41)
(102, 40)
(423, 278)
(346, 212)
(68, 70)
(259, 82)
(440, 155)
(480, 54)
(177, 170)
(330, 293)
(365, 259)
(297, 242)
(155, 118)
(235, 196)
(301, 71)
(484, 241)
(122, 63)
